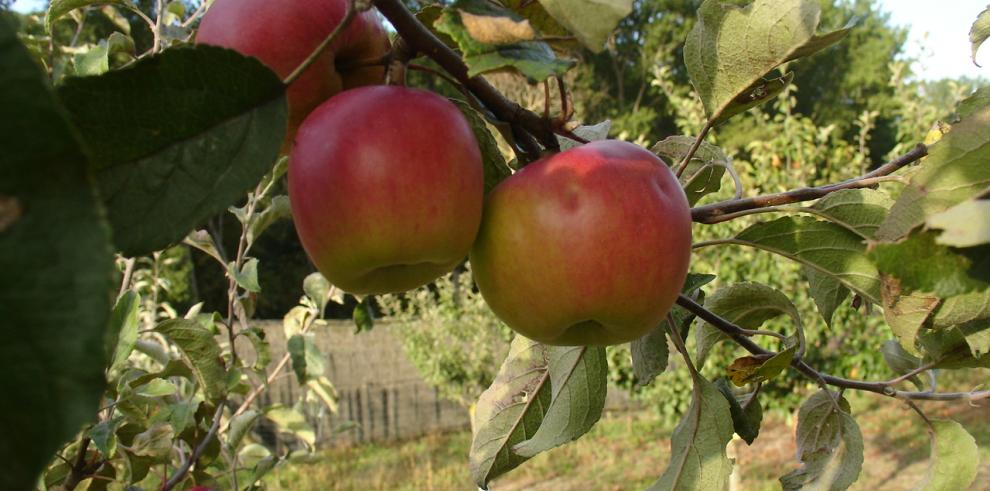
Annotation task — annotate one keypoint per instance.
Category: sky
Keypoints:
(939, 34)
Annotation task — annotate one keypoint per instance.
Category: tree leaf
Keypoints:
(318, 289)
(704, 173)
(747, 305)
(954, 171)
(123, 329)
(591, 22)
(827, 292)
(860, 210)
(363, 315)
(307, 360)
(899, 360)
(247, 277)
(976, 101)
(239, 426)
(754, 370)
(155, 442)
(291, 421)
(819, 42)
(200, 352)
(955, 458)
(56, 263)
(58, 8)
(761, 92)
(825, 246)
(906, 313)
(829, 444)
(697, 447)
(156, 388)
(278, 209)
(747, 413)
(510, 410)
(104, 436)
(963, 225)
(979, 32)
(495, 167)
(650, 353)
(919, 264)
(578, 385)
(189, 144)
(590, 133)
(731, 48)
(492, 37)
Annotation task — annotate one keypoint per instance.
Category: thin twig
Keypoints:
(79, 468)
(197, 13)
(457, 85)
(125, 282)
(183, 469)
(738, 335)
(694, 148)
(349, 15)
(712, 213)
(528, 127)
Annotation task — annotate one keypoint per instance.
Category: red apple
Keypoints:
(586, 247)
(386, 186)
(283, 33)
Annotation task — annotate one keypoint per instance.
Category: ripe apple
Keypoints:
(586, 247)
(386, 186)
(283, 34)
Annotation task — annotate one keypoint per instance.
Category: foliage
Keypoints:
(121, 138)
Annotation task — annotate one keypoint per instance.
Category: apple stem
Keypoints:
(349, 14)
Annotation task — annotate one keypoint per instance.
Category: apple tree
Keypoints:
(120, 147)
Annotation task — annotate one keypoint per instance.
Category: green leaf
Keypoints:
(747, 305)
(180, 415)
(277, 210)
(591, 22)
(59, 8)
(193, 140)
(979, 32)
(104, 436)
(123, 331)
(495, 167)
(955, 458)
(819, 42)
(262, 351)
(860, 210)
(492, 37)
(363, 315)
(829, 444)
(919, 264)
(731, 48)
(293, 422)
(761, 92)
(202, 240)
(899, 360)
(963, 225)
(307, 361)
(650, 353)
(954, 171)
(155, 442)
(704, 173)
(747, 413)
(156, 388)
(578, 384)
(755, 370)
(962, 309)
(827, 292)
(825, 246)
(318, 289)
(240, 425)
(590, 133)
(323, 389)
(976, 101)
(200, 352)
(247, 277)
(56, 269)
(510, 410)
(94, 61)
(697, 447)
(905, 314)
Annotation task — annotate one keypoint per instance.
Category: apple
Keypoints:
(586, 247)
(386, 186)
(283, 34)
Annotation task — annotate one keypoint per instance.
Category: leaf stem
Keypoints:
(349, 13)
(694, 148)
(182, 470)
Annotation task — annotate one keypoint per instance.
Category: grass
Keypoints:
(629, 451)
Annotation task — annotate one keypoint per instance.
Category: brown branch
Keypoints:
(80, 470)
(183, 469)
(528, 127)
(738, 335)
(694, 148)
(715, 213)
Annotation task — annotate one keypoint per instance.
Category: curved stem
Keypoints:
(713, 212)
(183, 469)
(694, 148)
(349, 15)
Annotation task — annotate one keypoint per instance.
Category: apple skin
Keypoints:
(588, 247)
(284, 33)
(386, 185)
